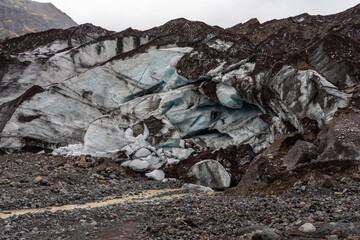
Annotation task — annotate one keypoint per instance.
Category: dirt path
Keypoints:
(145, 196)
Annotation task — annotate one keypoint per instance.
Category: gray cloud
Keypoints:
(143, 14)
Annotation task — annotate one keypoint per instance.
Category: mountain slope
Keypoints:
(18, 17)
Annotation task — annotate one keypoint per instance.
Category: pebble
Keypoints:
(10, 175)
(38, 179)
(307, 228)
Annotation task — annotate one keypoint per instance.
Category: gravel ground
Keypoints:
(334, 210)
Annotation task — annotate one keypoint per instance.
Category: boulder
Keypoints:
(301, 152)
(307, 228)
(157, 175)
(340, 138)
(265, 234)
(211, 174)
(139, 166)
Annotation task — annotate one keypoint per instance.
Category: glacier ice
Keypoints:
(156, 175)
(104, 135)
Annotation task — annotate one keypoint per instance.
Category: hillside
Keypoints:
(18, 17)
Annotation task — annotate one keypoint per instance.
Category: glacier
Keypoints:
(128, 97)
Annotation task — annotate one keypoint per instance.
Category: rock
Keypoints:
(4, 181)
(307, 228)
(10, 175)
(82, 162)
(139, 166)
(157, 175)
(301, 152)
(312, 181)
(353, 238)
(197, 187)
(102, 181)
(265, 234)
(328, 182)
(338, 193)
(332, 237)
(141, 153)
(211, 174)
(38, 179)
(340, 138)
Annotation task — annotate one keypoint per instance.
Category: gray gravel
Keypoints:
(334, 210)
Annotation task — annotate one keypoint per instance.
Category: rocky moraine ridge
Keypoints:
(268, 109)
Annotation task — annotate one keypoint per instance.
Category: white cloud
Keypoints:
(143, 14)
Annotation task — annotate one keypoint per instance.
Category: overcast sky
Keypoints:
(118, 15)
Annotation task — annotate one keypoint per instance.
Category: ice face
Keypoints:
(104, 135)
(228, 96)
(153, 67)
(112, 105)
(297, 90)
(61, 66)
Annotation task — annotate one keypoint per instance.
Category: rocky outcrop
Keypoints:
(18, 17)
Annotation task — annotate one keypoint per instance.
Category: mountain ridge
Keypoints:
(19, 17)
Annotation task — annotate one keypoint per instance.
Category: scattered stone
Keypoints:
(4, 181)
(301, 152)
(328, 182)
(197, 187)
(332, 237)
(156, 175)
(10, 175)
(38, 179)
(82, 163)
(338, 193)
(102, 181)
(265, 234)
(312, 181)
(353, 238)
(307, 228)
